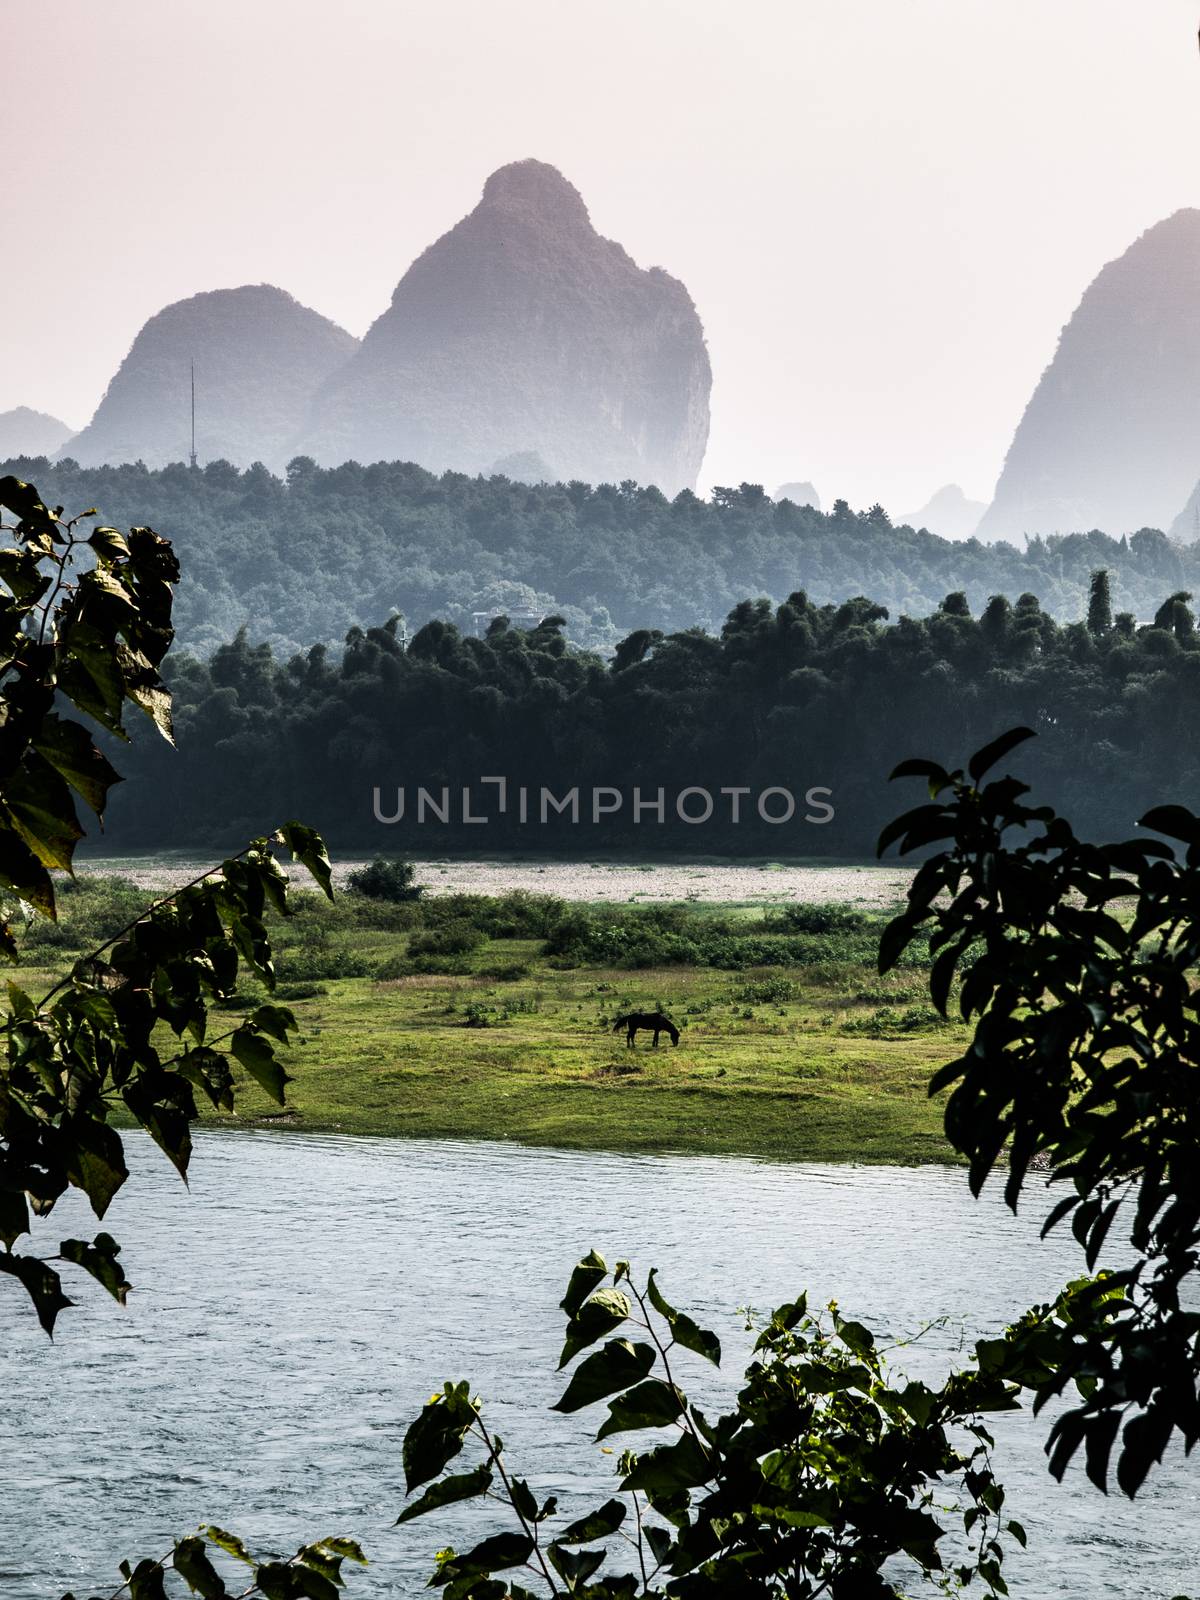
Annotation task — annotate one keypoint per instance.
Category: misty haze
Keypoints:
(599, 734)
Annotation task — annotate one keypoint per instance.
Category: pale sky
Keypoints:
(884, 209)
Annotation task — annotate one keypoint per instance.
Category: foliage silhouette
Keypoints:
(92, 638)
(326, 550)
(1077, 964)
(802, 695)
(825, 1472)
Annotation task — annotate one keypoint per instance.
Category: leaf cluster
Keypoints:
(1076, 963)
(825, 1471)
(128, 1027)
(313, 1573)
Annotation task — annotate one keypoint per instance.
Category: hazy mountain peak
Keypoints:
(1111, 436)
(524, 330)
(535, 186)
(800, 494)
(259, 356)
(948, 513)
(25, 432)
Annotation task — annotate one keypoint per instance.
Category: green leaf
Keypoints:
(146, 1581)
(684, 1331)
(586, 1276)
(277, 1021)
(89, 676)
(230, 1543)
(1142, 1444)
(95, 1160)
(197, 1571)
(209, 1071)
(14, 1216)
(70, 750)
(490, 1555)
(42, 1284)
(21, 572)
(660, 1542)
(257, 1055)
(682, 1465)
(619, 1365)
(597, 1524)
(345, 1550)
(652, 1404)
(791, 1517)
(308, 847)
(162, 1102)
(575, 1567)
(23, 499)
(436, 1436)
(100, 1259)
(920, 817)
(1177, 822)
(604, 1312)
(461, 1486)
(41, 810)
(151, 697)
(310, 1582)
(855, 1337)
(108, 544)
(21, 871)
(983, 760)
(936, 776)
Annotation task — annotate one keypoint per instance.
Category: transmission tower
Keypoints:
(192, 457)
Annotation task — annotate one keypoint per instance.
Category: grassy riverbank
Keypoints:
(492, 1019)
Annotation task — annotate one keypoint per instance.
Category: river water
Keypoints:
(296, 1307)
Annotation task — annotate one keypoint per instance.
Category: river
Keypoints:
(298, 1304)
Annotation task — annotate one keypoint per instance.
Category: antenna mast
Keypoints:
(193, 454)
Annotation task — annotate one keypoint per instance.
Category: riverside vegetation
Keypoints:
(819, 699)
(90, 1051)
(462, 1016)
(307, 556)
(826, 1477)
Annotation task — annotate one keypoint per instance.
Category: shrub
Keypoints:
(887, 1023)
(385, 879)
(770, 991)
(804, 918)
(457, 938)
(307, 965)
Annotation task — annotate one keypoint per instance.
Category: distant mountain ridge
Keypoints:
(1111, 436)
(259, 358)
(523, 331)
(25, 432)
(520, 334)
(948, 513)
(800, 494)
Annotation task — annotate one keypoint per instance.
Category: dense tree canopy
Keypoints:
(306, 559)
(799, 695)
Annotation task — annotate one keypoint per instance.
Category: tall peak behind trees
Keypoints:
(1111, 436)
(24, 432)
(523, 330)
(259, 356)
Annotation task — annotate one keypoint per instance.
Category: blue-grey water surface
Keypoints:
(299, 1304)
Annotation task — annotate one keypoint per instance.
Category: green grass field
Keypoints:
(812, 1059)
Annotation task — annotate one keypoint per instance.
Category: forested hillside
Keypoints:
(307, 558)
(796, 696)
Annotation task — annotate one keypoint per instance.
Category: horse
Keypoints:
(650, 1020)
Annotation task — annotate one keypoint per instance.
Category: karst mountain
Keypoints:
(1111, 436)
(25, 432)
(259, 358)
(524, 332)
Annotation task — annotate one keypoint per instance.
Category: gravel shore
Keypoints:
(608, 881)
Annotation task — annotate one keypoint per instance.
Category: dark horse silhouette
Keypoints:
(651, 1020)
